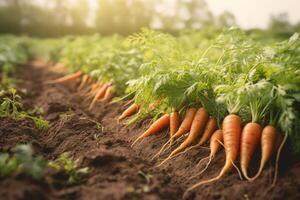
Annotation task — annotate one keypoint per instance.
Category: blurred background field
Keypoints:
(53, 18)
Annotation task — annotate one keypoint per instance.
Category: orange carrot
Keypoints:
(134, 108)
(251, 135)
(108, 94)
(70, 77)
(186, 123)
(94, 88)
(99, 95)
(154, 105)
(90, 80)
(174, 123)
(231, 136)
(211, 126)
(83, 82)
(184, 128)
(215, 145)
(198, 125)
(268, 139)
(157, 126)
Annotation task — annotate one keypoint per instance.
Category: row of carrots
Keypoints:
(98, 91)
(198, 127)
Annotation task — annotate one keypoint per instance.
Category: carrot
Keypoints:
(83, 82)
(154, 105)
(186, 123)
(231, 136)
(99, 95)
(198, 125)
(210, 128)
(94, 88)
(70, 77)
(134, 108)
(92, 92)
(90, 80)
(214, 146)
(251, 135)
(108, 94)
(268, 138)
(174, 123)
(158, 125)
(184, 128)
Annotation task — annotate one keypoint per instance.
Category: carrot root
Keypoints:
(135, 141)
(205, 168)
(129, 112)
(161, 150)
(83, 82)
(108, 94)
(202, 183)
(70, 77)
(174, 123)
(157, 126)
(250, 137)
(277, 159)
(99, 95)
(268, 139)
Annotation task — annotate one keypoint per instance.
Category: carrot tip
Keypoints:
(165, 160)
(138, 139)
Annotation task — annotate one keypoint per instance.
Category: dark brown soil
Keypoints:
(118, 171)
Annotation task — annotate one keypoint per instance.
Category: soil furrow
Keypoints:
(118, 171)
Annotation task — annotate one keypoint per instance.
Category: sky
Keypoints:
(256, 13)
(248, 13)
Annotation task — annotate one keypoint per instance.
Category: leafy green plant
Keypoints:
(22, 160)
(11, 106)
(70, 166)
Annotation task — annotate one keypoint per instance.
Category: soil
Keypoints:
(118, 171)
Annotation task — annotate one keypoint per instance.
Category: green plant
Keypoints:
(22, 160)
(11, 106)
(70, 166)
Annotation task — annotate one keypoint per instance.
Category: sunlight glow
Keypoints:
(256, 13)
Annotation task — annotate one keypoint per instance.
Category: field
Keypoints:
(63, 144)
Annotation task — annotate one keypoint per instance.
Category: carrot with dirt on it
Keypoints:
(215, 146)
(231, 136)
(134, 108)
(210, 128)
(200, 119)
(94, 88)
(183, 129)
(158, 125)
(70, 77)
(108, 94)
(99, 95)
(83, 82)
(90, 81)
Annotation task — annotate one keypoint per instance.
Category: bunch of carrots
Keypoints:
(96, 91)
(201, 128)
(229, 93)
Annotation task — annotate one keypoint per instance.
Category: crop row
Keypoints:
(227, 88)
